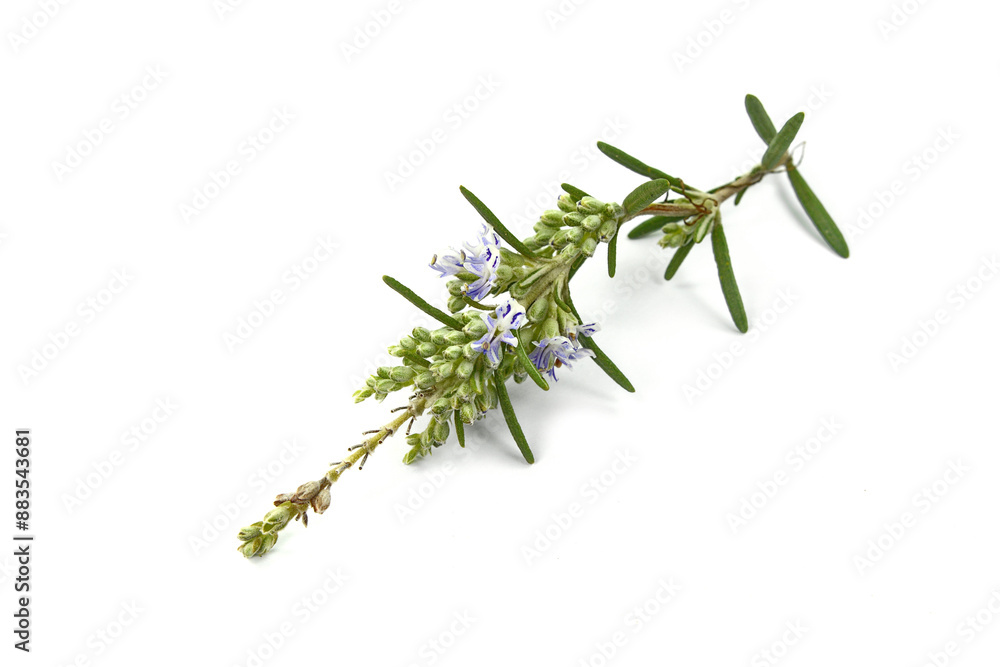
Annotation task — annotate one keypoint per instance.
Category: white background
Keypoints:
(140, 538)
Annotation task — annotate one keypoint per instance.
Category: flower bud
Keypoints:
(425, 380)
(476, 328)
(455, 304)
(383, 371)
(277, 518)
(591, 222)
(468, 413)
(441, 430)
(614, 211)
(465, 368)
(252, 547)
(421, 334)
(504, 273)
(321, 501)
(427, 349)
(590, 205)
(362, 394)
(441, 406)
(402, 374)
(307, 491)
(453, 352)
(438, 336)
(566, 203)
(573, 219)
(250, 532)
(455, 288)
(538, 309)
(385, 386)
(589, 246)
(608, 230)
(575, 235)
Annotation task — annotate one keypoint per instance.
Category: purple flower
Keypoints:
(508, 317)
(551, 353)
(481, 258)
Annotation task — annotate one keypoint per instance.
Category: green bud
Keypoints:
(441, 406)
(589, 246)
(397, 350)
(573, 219)
(608, 230)
(441, 430)
(427, 349)
(550, 329)
(614, 211)
(552, 218)
(566, 203)
(455, 337)
(411, 455)
(383, 371)
(546, 234)
(455, 304)
(438, 336)
(476, 328)
(452, 353)
(408, 343)
(504, 273)
(252, 547)
(371, 381)
(455, 288)
(250, 532)
(421, 334)
(465, 368)
(575, 235)
(362, 394)
(425, 380)
(385, 386)
(538, 309)
(444, 369)
(402, 374)
(277, 518)
(478, 382)
(468, 413)
(591, 222)
(590, 205)
(560, 239)
(469, 352)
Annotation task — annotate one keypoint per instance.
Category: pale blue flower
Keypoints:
(551, 353)
(481, 258)
(507, 317)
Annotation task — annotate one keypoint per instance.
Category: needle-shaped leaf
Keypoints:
(782, 140)
(728, 279)
(601, 359)
(494, 222)
(511, 419)
(613, 253)
(739, 196)
(412, 297)
(522, 356)
(644, 195)
(817, 213)
(677, 260)
(761, 121)
(576, 193)
(629, 162)
(459, 428)
(651, 226)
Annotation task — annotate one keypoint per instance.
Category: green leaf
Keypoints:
(576, 267)
(779, 145)
(728, 279)
(817, 213)
(511, 418)
(412, 297)
(629, 162)
(651, 225)
(494, 222)
(601, 359)
(761, 121)
(459, 428)
(677, 260)
(613, 253)
(644, 195)
(575, 193)
(522, 355)
(739, 196)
